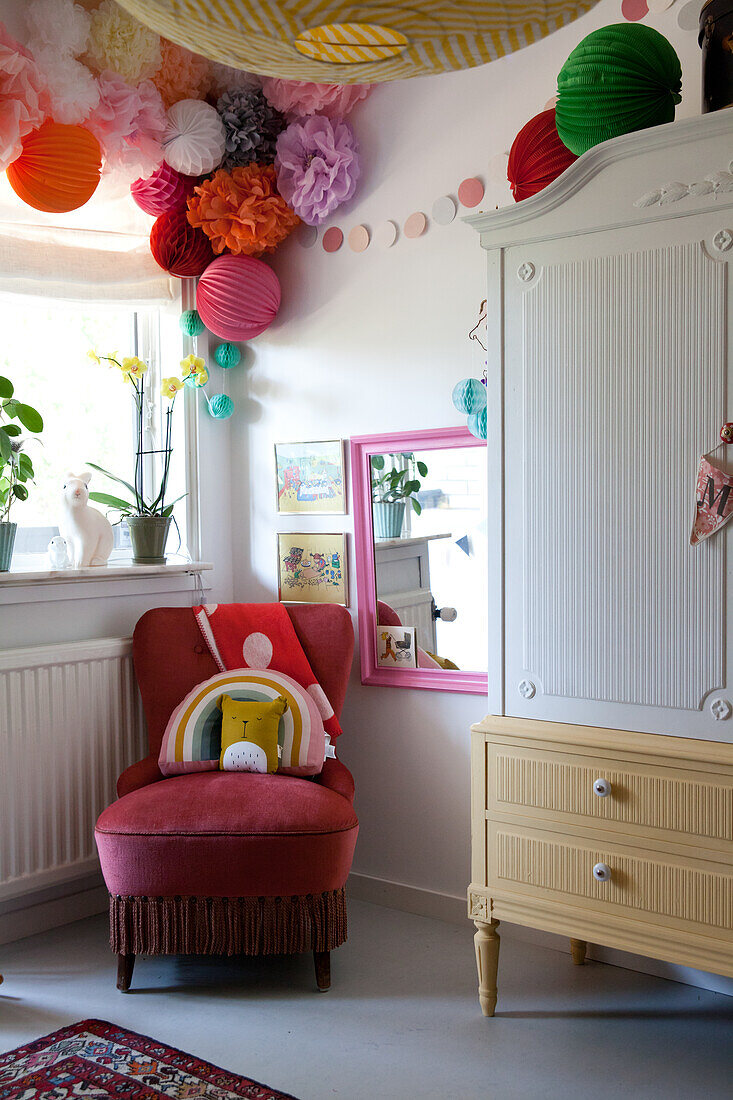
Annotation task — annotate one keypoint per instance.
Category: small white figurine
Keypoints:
(58, 553)
(89, 536)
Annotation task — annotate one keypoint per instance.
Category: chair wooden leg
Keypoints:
(125, 965)
(578, 949)
(322, 960)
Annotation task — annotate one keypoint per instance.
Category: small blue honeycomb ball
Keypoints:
(477, 423)
(227, 355)
(221, 406)
(469, 395)
(190, 323)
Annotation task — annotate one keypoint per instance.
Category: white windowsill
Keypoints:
(117, 579)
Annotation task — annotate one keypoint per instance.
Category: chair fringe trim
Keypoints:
(227, 926)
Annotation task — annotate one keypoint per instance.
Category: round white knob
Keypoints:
(601, 872)
(602, 788)
(448, 614)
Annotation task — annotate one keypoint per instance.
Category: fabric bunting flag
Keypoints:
(713, 501)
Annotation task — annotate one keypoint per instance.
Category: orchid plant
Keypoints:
(133, 371)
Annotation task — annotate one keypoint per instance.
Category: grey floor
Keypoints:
(401, 1019)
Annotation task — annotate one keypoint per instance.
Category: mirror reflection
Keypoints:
(430, 558)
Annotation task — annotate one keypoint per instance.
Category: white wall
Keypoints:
(374, 343)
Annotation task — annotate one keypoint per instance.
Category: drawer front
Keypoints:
(528, 861)
(544, 783)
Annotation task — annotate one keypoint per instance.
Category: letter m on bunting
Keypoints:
(713, 503)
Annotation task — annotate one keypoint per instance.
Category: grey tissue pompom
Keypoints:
(251, 126)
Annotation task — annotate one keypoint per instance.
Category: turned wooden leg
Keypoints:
(322, 960)
(125, 965)
(487, 963)
(578, 949)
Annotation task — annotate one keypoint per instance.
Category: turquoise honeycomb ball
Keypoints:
(190, 323)
(221, 406)
(227, 355)
(477, 423)
(469, 395)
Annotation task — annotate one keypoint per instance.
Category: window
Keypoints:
(87, 408)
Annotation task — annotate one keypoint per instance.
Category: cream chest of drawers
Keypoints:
(617, 838)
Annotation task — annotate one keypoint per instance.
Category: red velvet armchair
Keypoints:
(227, 862)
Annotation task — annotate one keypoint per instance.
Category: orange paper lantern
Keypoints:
(59, 168)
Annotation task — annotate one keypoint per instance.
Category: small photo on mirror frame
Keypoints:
(396, 647)
(312, 568)
(310, 478)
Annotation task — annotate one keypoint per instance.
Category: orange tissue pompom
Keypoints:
(182, 74)
(242, 210)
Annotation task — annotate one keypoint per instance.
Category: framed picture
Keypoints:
(396, 647)
(310, 478)
(312, 568)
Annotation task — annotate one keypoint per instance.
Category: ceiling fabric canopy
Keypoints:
(333, 41)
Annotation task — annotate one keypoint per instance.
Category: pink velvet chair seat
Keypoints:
(226, 834)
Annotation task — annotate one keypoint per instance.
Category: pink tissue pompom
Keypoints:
(182, 74)
(23, 99)
(302, 97)
(164, 190)
(317, 166)
(129, 123)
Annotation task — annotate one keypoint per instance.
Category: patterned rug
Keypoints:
(93, 1059)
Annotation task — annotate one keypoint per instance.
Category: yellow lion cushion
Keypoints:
(249, 734)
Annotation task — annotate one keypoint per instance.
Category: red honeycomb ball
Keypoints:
(177, 247)
(163, 191)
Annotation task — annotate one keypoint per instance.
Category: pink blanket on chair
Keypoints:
(260, 636)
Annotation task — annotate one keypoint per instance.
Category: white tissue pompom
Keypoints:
(72, 89)
(195, 139)
(61, 24)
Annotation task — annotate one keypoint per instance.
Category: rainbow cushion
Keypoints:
(192, 738)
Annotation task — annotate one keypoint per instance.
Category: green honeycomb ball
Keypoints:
(221, 406)
(191, 324)
(227, 355)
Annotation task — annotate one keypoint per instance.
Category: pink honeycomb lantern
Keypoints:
(163, 191)
(238, 297)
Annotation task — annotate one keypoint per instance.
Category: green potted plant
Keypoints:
(392, 489)
(148, 514)
(16, 468)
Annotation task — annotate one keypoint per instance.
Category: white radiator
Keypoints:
(70, 721)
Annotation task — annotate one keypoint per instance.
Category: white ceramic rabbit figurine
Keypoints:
(58, 554)
(89, 536)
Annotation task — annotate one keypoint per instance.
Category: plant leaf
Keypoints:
(422, 469)
(11, 429)
(113, 477)
(378, 462)
(30, 418)
(10, 408)
(20, 492)
(5, 451)
(109, 501)
(416, 505)
(6, 387)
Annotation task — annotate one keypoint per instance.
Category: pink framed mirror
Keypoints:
(421, 550)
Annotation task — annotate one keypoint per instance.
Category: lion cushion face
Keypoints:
(249, 734)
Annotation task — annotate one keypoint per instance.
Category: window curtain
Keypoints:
(299, 40)
(78, 265)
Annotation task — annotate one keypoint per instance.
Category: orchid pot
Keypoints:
(148, 535)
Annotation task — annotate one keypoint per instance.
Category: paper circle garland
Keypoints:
(221, 406)
(537, 156)
(332, 239)
(162, 191)
(190, 323)
(195, 138)
(477, 422)
(238, 297)
(227, 355)
(471, 191)
(620, 78)
(59, 168)
(469, 395)
(177, 247)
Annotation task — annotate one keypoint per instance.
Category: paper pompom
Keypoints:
(251, 126)
(59, 168)
(182, 74)
(221, 406)
(194, 138)
(71, 89)
(537, 156)
(477, 423)
(163, 190)
(190, 323)
(61, 25)
(238, 297)
(23, 99)
(469, 395)
(227, 356)
(317, 166)
(177, 247)
(129, 123)
(241, 210)
(296, 98)
(620, 78)
(119, 42)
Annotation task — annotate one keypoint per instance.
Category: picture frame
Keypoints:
(312, 567)
(310, 478)
(396, 647)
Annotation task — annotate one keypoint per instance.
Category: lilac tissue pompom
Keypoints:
(317, 166)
